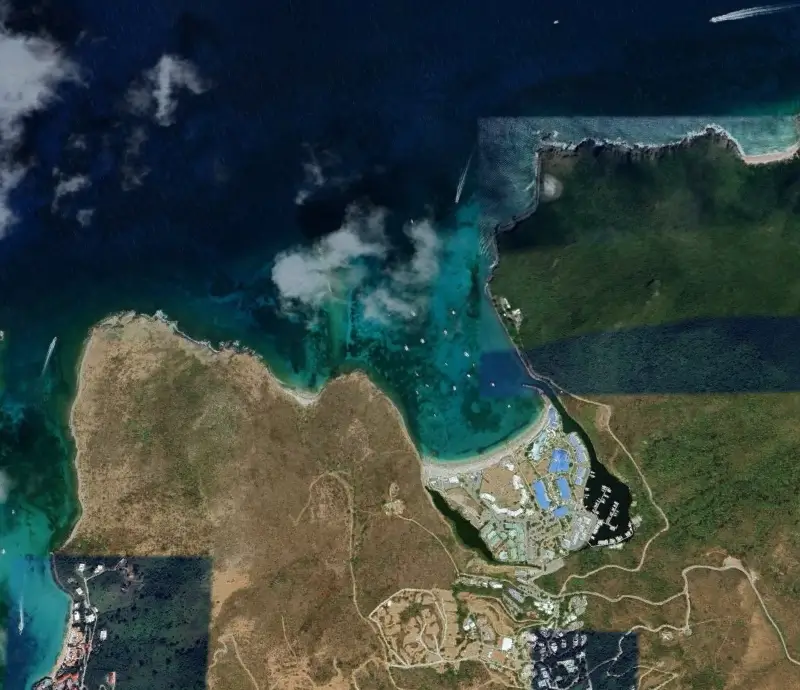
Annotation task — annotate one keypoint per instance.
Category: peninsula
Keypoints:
(193, 460)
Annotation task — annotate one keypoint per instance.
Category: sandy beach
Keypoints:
(433, 467)
(764, 158)
(62, 657)
(301, 397)
(76, 437)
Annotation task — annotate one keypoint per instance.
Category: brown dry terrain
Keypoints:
(695, 452)
(187, 452)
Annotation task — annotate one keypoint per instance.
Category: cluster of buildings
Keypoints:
(429, 627)
(558, 658)
(71, 666)
(506, 539)
(523, 598)
(528, 506)
(568, 466)
(548, 656)
(513, 315)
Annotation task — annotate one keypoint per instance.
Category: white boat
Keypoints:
(49, 354)
(463, 177)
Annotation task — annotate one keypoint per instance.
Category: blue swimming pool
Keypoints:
(541, 495)
(560, 461)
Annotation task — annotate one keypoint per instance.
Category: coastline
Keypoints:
(62, 655)
(304, 398)
(75, 438)
(80, 496)
(710, 130)
(433, 468)
(777, 157)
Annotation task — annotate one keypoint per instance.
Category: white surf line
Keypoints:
(49, 355)
(463, 177)
(21, 624)
(753, 12)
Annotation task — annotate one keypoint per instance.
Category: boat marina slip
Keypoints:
(529, 499)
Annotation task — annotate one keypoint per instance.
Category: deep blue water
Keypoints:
(393, 95)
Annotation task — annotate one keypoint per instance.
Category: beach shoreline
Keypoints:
(62, 655)
(776, 157)
(687, 140)
(435, 468)
(304, 398)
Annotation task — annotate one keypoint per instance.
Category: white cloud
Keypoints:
(131, 172)
(68, 185)
(84, 216)
(424, 264)
(30, 70)
(351, 258)
(320, 171)
(381, 304)
(404, 292)
(334, 265)
(155, 94)
(9, 178)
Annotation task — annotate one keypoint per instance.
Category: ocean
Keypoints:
(297, 141)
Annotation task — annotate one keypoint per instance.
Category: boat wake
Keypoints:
(754, 12)
(49, 355)
(463, 177)
(21, 624)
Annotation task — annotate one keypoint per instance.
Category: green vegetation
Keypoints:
(467, 533)
(87, 545)
(707, 679)
(468, 674)
(634, 242)
(691, 233)
(549, 582)
(206, 400)
(724, 471)
(413, 610)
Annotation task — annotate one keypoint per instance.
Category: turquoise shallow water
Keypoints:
(43, 608)
(429, 365)
(435, 359)
(393, 97)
